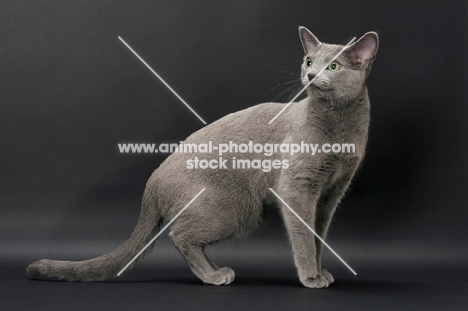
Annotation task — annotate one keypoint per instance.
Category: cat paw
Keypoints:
(327, 275)
(222, 276)
(322, 280)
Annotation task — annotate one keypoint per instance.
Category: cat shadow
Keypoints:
(367, 286)
(238, 282)
(344, 286)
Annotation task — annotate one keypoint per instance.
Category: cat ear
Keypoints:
(310, 43)
(363, 51)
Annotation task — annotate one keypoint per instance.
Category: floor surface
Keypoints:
(155, 288)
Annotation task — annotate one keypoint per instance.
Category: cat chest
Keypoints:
(322, 171)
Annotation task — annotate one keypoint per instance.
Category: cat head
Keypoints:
(345, 77)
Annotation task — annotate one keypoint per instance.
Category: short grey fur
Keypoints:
(336, 109)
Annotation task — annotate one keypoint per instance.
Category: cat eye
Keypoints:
(308, 62)
(335, 66)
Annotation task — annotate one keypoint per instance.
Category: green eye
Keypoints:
(335, 66)
(308, 62)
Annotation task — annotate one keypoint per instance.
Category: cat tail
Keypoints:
(106, 266)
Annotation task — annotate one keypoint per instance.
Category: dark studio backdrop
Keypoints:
(70, 91)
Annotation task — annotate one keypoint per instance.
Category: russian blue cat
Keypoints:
(336, 110)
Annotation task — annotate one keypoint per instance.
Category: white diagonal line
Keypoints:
(311, 81)
(162, 230)
(162, 80)
(312, 230)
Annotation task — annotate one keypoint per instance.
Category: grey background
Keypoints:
(70, 91)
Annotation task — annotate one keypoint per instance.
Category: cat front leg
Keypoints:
(302, 239)
(326, 206)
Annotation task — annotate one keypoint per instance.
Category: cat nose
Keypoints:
(310, 76)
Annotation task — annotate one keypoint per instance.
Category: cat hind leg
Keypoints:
(205, 269)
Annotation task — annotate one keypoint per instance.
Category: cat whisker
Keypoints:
(291, 73)
(292, 87)
(295, 81)
(290, 90)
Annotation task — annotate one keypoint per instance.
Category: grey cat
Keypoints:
(336, 109)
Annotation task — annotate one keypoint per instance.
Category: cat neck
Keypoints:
(333, 118)
(344, 109)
